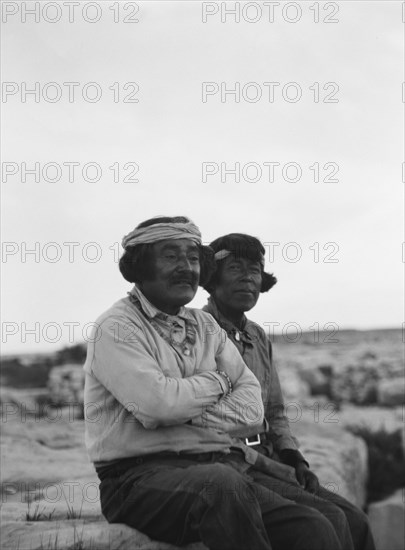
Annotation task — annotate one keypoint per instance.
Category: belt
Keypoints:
(253, 440)
(118, 467)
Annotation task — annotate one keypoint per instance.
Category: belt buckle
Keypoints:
(252, 441)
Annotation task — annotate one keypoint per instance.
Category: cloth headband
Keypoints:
(160, 232)
(222, 254)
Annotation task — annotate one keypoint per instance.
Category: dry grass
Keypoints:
(37, 514)
(72, 513)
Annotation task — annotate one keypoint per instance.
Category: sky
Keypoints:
(131, 115)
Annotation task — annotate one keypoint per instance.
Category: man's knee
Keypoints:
(335, 515)
(359, 527)
(322, 532)
(310, 530)
(356, 516)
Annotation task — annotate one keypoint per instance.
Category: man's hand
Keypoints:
(306, 478)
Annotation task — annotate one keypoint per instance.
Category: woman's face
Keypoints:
(239, 283)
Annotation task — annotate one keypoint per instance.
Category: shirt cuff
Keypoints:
(222, 382)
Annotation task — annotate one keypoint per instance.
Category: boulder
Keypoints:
(387, 520)
(391, 392)
(294, 388)
(22, 403)
(58, 490)
(372, 417)
(337, 457)
(392, 368)
(356, 383)
(74, 534)
(59, 487)
(66, 384)
(318, 381)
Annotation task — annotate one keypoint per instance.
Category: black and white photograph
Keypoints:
(202, 259)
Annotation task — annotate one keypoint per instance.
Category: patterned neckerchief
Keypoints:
(177, 330)
(244, 334)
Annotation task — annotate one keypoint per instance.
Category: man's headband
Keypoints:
(222, 254)
(162, 231)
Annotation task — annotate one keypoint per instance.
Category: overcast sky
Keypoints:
(326, 95)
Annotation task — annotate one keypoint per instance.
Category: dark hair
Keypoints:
(136, 262)
(241, 246)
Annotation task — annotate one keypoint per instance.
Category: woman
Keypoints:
(235, 288)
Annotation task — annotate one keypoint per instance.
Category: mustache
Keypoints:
(189, 279)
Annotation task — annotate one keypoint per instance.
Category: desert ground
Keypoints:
(49, 489)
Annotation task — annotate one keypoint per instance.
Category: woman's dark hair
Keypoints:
(136, 262)
(241, 246)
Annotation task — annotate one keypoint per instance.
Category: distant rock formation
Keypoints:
(356, 383)
(391, 392)
(337, 457)
(66, 384)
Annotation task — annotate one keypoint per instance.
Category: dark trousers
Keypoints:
(350, 523)
(214, 499)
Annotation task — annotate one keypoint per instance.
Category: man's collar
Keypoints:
(151, 311)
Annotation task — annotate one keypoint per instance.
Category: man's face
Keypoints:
(240, 280)
(176, 264)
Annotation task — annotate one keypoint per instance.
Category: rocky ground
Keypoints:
(49, 489)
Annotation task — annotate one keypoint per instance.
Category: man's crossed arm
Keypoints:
(132, 375)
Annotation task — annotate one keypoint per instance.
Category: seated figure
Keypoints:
(234, 288)
(168, 404)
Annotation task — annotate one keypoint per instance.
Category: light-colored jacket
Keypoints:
(142, 395)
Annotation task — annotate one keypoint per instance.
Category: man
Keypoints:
(165, 400)
(235, 287)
